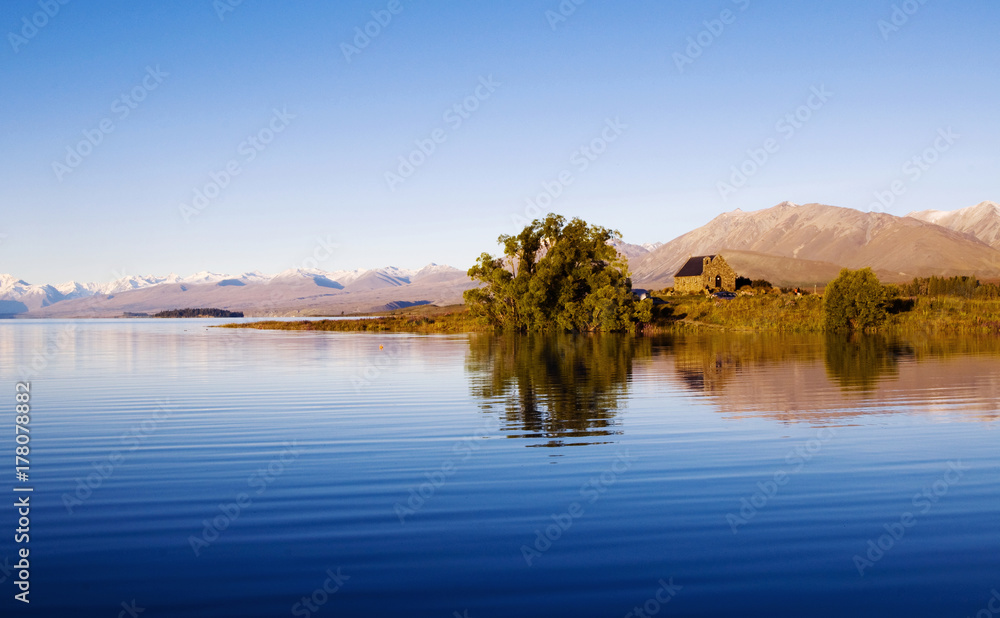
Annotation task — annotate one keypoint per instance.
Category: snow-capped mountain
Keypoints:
(981, 221)
(631, 251)
(307, 275)
(74, 289)
(9, 284)
(19, 296)
(433, 269)
(205, 277)
(134, 282)
(249, 289)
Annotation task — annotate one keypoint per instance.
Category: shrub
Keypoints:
(855, 301)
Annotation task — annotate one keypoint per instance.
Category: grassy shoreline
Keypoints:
(787, 313)
(456, 322)
(770, 313)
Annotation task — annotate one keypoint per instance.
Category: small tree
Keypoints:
(855, 301)
(557, 275)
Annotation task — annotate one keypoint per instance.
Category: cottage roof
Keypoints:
(694, 267)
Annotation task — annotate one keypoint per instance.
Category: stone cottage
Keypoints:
(705, 272)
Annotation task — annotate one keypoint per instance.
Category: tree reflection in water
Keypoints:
(556, 387)
(860, 362)
(562, 390)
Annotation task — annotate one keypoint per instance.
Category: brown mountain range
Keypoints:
(805, 245)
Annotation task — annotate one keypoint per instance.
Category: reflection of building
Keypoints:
(800, 378)
(706, 374)
(705, 271)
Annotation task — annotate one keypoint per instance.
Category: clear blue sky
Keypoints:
(559, 82)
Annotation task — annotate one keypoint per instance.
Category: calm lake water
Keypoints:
(192, 471)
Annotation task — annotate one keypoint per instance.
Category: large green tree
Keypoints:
(855, 301)
(556, 275)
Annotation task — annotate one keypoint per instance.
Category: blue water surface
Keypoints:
(196, 471)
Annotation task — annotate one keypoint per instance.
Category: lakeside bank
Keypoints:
(778, 313)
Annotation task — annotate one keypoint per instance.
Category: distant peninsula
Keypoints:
(206, 312)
